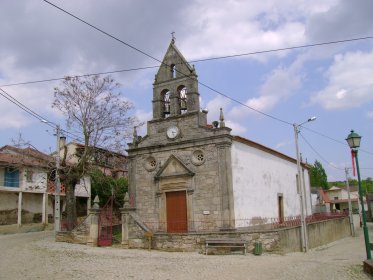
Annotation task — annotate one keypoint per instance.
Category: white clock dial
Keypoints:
(172, 132)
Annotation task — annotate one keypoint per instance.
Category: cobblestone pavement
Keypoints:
(37, 256)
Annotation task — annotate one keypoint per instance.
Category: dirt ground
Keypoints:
(35, 255)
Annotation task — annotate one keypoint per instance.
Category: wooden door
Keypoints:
(176, 212)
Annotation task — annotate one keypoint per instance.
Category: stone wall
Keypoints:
(319, 233)
(282, 240)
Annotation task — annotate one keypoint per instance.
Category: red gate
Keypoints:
(105, 224)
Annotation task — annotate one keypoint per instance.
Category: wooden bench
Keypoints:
(226, 243)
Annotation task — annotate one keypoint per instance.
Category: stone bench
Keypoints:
(225, 243)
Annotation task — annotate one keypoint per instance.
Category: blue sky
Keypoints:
(333, 82)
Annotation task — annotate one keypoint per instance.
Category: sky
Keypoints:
(333, 82)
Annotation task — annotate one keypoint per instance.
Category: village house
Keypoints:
(27, 186)
(110, 163)
(187, 176)
(335, 199)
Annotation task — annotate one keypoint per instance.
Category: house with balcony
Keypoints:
(27, 186)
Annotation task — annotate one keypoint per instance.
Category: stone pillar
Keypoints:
(44, 215)
(226, 187)
(89, 201)
(19, 217)
(94, 212)
(125, 217)
(175, 103)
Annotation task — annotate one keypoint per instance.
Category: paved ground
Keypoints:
(35, 255)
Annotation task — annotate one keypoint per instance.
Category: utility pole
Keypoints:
(57, 221)
(349, 205)
(301, 188)
(303, 224)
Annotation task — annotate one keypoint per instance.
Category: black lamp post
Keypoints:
(353, 140)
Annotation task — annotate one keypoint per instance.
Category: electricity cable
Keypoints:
(317, 153)
(208, 87)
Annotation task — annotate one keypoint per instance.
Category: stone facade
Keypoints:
(185, 165)
(195, 160)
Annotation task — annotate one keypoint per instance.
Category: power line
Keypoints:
(197, 60)
(206, 86)
(39, 117)
(31, 112)
(286, 48)
(21, 105)
(316, 152)
(158, 60)
(78, 76)
(335, 140)
(229, 56)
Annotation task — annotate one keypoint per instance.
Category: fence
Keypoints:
(253, 224)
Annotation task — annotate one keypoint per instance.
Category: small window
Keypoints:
(173, 71)
(11, 178)
(198, 157)
(182, 90)
(29, 176)
(166, 104)
(150, 163)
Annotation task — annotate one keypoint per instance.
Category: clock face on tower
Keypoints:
(173, 132)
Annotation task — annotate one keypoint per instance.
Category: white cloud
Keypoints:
(230, 27)
(237, 129)
(143, 117)
(279, 85)
(214, 106)
(284, 144)
(349, 82)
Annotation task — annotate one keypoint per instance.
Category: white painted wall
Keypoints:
(258, 177)
(38, 183)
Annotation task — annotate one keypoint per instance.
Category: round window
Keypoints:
(150, 163)
(198, 157)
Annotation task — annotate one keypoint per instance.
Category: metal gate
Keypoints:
(105, 224)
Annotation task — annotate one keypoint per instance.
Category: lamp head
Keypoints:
(311, 119)
(353, 140)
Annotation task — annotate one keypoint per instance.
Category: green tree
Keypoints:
(104, 186)
(318, 176)
(368, 182)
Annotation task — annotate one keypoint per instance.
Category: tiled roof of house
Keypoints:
(13, 156)
(324, 196)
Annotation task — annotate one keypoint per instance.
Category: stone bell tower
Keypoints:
(179, 173)
(175, 89)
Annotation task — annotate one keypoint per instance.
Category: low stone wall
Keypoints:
(281, 240)
(196, 241)
(319, 233)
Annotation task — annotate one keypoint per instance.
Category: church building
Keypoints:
(188, 176)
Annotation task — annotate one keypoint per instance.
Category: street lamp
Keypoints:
(303, 224)
(353, 140)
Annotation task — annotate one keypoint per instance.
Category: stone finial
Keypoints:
(134, 141)
(173, 37)
(96, 202)
(222, 123)
(126, 203)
